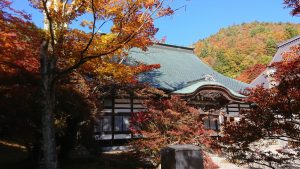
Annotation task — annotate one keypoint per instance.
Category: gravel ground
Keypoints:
(224, 164)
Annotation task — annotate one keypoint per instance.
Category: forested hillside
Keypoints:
(242, 51)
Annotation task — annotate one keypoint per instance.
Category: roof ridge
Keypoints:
(175, 46)
(289, 41)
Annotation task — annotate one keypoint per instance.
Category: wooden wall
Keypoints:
(113, 126)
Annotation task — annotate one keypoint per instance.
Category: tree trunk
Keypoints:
(48, 106)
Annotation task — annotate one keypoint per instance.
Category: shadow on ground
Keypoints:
(15, 158)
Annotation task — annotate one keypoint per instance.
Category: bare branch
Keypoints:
(50, 25)
(103, 25)
(93, 31)
(64, 7)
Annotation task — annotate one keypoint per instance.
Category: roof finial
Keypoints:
(208, 77)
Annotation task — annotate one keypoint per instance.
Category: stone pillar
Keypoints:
(182, 157)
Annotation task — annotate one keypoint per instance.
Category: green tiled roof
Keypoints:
(194, 87)
(180, 70)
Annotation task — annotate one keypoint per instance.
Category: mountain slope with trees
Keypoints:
(237, 51)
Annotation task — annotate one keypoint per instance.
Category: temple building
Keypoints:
(217, 97)
(264, 78)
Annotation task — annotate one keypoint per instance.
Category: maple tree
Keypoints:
(20, 40)
(55, 52)
(168, 121)
(19, 84)
(251, 73)
(294, 4)
(274, 116)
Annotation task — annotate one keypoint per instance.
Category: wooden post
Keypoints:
(113, 120)
(131, 107)
(182, 157)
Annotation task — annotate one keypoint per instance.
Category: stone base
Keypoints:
(182, 157)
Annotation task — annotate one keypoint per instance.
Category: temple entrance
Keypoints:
(215, 107)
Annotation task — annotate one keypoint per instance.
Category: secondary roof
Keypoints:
(262, 79)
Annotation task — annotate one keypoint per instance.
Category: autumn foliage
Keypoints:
(275, 116)
(51, 73)
(166, 122)
(235, 50)
(294, 4)
(20, 40)
(251, 73)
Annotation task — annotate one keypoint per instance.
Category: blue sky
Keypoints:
(202, 18)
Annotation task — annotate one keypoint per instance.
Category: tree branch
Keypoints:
(50, 25)
(119, 46)
(93, 31)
